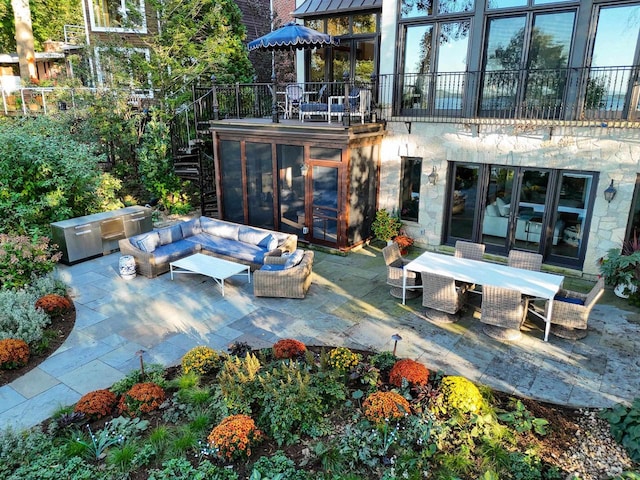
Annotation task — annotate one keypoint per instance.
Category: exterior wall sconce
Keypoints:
(304, 169)
(433, 176)
(610, 192)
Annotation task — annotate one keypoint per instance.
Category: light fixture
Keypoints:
(304, 169)
(433, 176)
(395, 337)
(610, 192)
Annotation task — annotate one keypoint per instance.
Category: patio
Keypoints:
(348, 304)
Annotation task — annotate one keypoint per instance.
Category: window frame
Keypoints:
(141, 29)
(100, 74)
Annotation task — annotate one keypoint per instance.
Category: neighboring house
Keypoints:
(505, 123)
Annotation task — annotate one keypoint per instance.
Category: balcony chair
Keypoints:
(525, 260)
(503, 312)
(359, 104)
(294, 94)
(317, 107)
(395, 266)
(440, 293)
(571, 311)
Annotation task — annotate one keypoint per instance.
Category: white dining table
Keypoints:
(528, 282)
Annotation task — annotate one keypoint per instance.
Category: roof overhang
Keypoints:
(40, 57)
(324, 8)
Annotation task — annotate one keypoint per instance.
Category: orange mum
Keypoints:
(234, 436)
(414, 372)
(142, 397)
(288, 348)
(53, 304)
(14, 353)
(98, 403)
(381, 406)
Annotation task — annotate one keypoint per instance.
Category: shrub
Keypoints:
(200, 359)
(53, 304)
(413, 372)
(383, 406)
(461, 395)
(624, 422)
(97, 404)
(14, 353)
(22, 258)
(234, 436)
(19, 318)
(288, 348)
(141, 398)
(343, 359)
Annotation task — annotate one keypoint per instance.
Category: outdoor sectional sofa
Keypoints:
(153, 251)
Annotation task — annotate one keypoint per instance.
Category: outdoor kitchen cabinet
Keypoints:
(86, 237)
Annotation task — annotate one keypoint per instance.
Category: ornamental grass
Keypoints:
(288, 348)
(414, 372)
(383, 406)
(53, 304)
(233, 437)
(201, 359)
(141, 398)
(97, 404)
(14, 353)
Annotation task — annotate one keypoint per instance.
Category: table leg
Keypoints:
(404, 286)
(547, 320)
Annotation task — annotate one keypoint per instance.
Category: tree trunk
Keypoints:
(24, 40)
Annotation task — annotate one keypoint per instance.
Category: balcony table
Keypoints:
(535, 284)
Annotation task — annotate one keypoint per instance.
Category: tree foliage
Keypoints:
(48, 18)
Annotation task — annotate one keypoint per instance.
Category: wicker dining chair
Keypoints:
(525, 260)
(440, 292)
(470, 250)
(395, 266)
(503, 312)
(569, 319)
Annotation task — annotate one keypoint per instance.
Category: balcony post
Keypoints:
(274, 99)
(346, 113)
(374, 96)
(214, 101)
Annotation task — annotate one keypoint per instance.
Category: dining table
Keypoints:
(535, 284)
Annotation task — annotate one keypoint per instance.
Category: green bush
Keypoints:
(624, 422)
(46, 175)
(23, 258)
(461, 395)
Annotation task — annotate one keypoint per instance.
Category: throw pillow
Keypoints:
(577, 301)
(251, 236)
(492, 211)
(269, 243)
(272, 267)
(294, 259)
(191, 228)
(503, 208)
(170, 234)
(148, 242)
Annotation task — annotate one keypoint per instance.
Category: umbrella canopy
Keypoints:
(292, 36)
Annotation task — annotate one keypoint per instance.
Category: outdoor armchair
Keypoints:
(526, 260)
(440, 292)
(470, 250)
(292, 282)
(395, 266)
(503, 312)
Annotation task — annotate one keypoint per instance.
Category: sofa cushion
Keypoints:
(174, 251)
(294, 259)
(251, 235)
(561, 298)
(219, 228)
(272, 268)
(146, 242)
(503, 208)
(170, 234)
(492, 211)
(269, 243)
(230, 248)
(191, 227)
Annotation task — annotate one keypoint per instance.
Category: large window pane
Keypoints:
(317, 65)
(291, 188)
(503, 59)
(231, 178)
(417, 63)
(497, 213)
(325, 204)
(338, 26)
(260, 184)
(463, 201)
(364, 23)
(416, 8)
(410, 188)
(364, 61)
(455, 6)
(453, 45)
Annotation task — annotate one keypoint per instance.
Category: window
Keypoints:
(118, 16)
(421, 8)
(124, 68)
(410, 188)
(525, 64)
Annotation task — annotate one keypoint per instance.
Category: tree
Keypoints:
(200, 38)
(24, 39)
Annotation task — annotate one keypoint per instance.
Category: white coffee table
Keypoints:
(213, 267)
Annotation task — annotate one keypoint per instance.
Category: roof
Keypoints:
(317, 8)
(40, 56)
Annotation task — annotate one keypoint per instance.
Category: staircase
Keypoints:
(193, 149)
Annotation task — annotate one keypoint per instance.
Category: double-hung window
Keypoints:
(118, 16)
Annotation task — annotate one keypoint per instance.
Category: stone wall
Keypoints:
(613, 152)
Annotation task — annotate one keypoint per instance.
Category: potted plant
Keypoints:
(386, 226)
(622, 270)
(404, 242)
